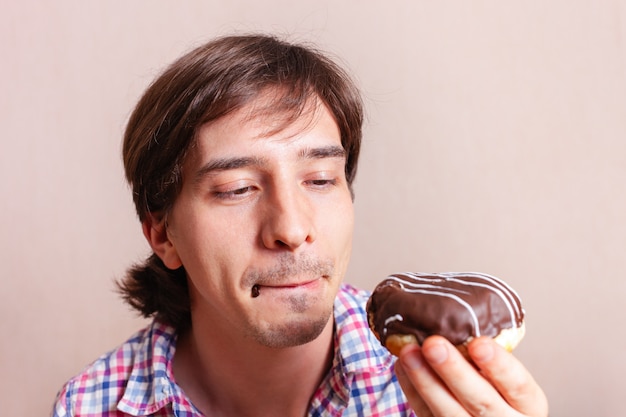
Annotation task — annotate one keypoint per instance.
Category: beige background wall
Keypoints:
(496, 141)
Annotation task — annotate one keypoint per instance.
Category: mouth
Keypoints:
(287, 287)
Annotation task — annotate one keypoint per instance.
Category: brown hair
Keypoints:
(204, 85)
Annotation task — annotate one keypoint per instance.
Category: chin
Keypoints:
(294, 331)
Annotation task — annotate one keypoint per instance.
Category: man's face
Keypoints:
(263, 226)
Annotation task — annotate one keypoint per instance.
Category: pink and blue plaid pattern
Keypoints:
(136, 379)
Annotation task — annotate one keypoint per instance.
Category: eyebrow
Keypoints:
(323, 152)
(226, 164)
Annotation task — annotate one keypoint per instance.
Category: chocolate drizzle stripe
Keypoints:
(396, 317)
(507, 301)
(505, 292)
(426, 289)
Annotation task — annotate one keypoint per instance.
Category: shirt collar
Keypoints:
(358, 354)
(151, 383)
(358, 348)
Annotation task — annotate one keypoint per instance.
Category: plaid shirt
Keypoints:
(136, 379)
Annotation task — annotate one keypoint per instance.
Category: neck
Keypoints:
(226, 377)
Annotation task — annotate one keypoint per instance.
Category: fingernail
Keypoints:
(412, 360)
(482, 352)
(436, 353)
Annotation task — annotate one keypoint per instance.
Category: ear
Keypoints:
(155, 231)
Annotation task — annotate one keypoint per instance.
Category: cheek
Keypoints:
(341, 238)
(213, 244)
(217, 242)
(340, 226)
(214, 260)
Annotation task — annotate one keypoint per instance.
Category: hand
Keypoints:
(439, 381)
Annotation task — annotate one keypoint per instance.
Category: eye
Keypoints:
(234, 194)
(321, 183)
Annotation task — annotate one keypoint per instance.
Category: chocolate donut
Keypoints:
(409, 307)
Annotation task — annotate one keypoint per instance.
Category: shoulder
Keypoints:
(100, 386)
(357, 344)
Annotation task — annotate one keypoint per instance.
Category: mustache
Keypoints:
(287, 267)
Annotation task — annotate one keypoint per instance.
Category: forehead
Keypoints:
(259, 124)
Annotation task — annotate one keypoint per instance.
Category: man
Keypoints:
(241, 157)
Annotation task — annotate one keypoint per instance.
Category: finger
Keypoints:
(415, 400)
(474, 393)
(509, 376)
(430, 389)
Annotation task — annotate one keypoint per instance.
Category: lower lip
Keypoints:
(309, 285)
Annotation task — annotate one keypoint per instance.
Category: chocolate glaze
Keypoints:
(456, 305)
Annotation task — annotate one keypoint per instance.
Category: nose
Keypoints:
(288, 220)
